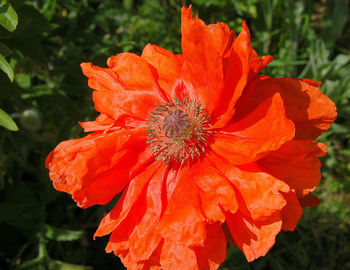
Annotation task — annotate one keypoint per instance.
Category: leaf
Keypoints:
(6, 67)
(337, 17)
(7, 122)
(62, 234)
(37, 91)
(8, 17)
(49, 9)
(282, 63)
(23, 80)
(4, 50)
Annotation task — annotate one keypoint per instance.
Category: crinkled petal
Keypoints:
(255, 240)
(292, 212)
(107, 124)
(132, 193)
(175, 256)
(309, 200)
(206, 257)
(169, 69)
(217, 65)
(310, 110)
(242, 65)
(145, 237)
(97, 167)
(204, 48)
(136, 238)
(216, 192)
(136, 74)
(213, 252)
(134, 221)
(128, 87)
(259, 194)
(103, 122)
(264, 129)
(297, 164)
(183, 221)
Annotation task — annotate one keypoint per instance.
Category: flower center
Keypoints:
(175, 123)
(178, 131)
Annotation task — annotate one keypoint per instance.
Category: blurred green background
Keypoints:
(43, 90)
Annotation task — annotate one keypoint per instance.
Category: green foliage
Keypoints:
(8, 16)
(62, 235)
(6, 67)
(7, 122)
(43, 42)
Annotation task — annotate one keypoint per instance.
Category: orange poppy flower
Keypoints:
(203, 149)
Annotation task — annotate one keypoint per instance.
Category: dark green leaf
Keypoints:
(337, 17)
(61, 234)
(6, 67)
(7, 122)
(23, 80)
(4, 50)
(282, 63)
(8, 17)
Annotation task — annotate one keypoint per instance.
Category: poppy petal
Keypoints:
(174, 256)
(128, 87)
(217, 64)
(213, 252)
(186, 227)
(310, 110)
(242, 65)
(309, 200)
(131, 239)
(206, 257)
(259, 194)
(297, 164)
(95, 168)
(216, 192)
(103, 122)
(137, 235)
(145, 237)
(292, 212)
(168, 66)
(255, 240)
(107, 124)
(243, 141)
(131, 194)
(204, 48)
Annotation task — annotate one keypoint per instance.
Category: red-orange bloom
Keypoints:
(202, 148)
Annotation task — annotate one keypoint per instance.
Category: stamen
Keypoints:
(178, 131)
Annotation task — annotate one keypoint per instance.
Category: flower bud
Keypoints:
(31, 119)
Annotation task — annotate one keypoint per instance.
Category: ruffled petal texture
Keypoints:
(261, 214)
(97, 167)
(217, 64)
(254, 240)
(128, 87)
(242, 141)
(240, 153)
(142, 225)
(297, 164)
(305, 105)
(169, 69)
